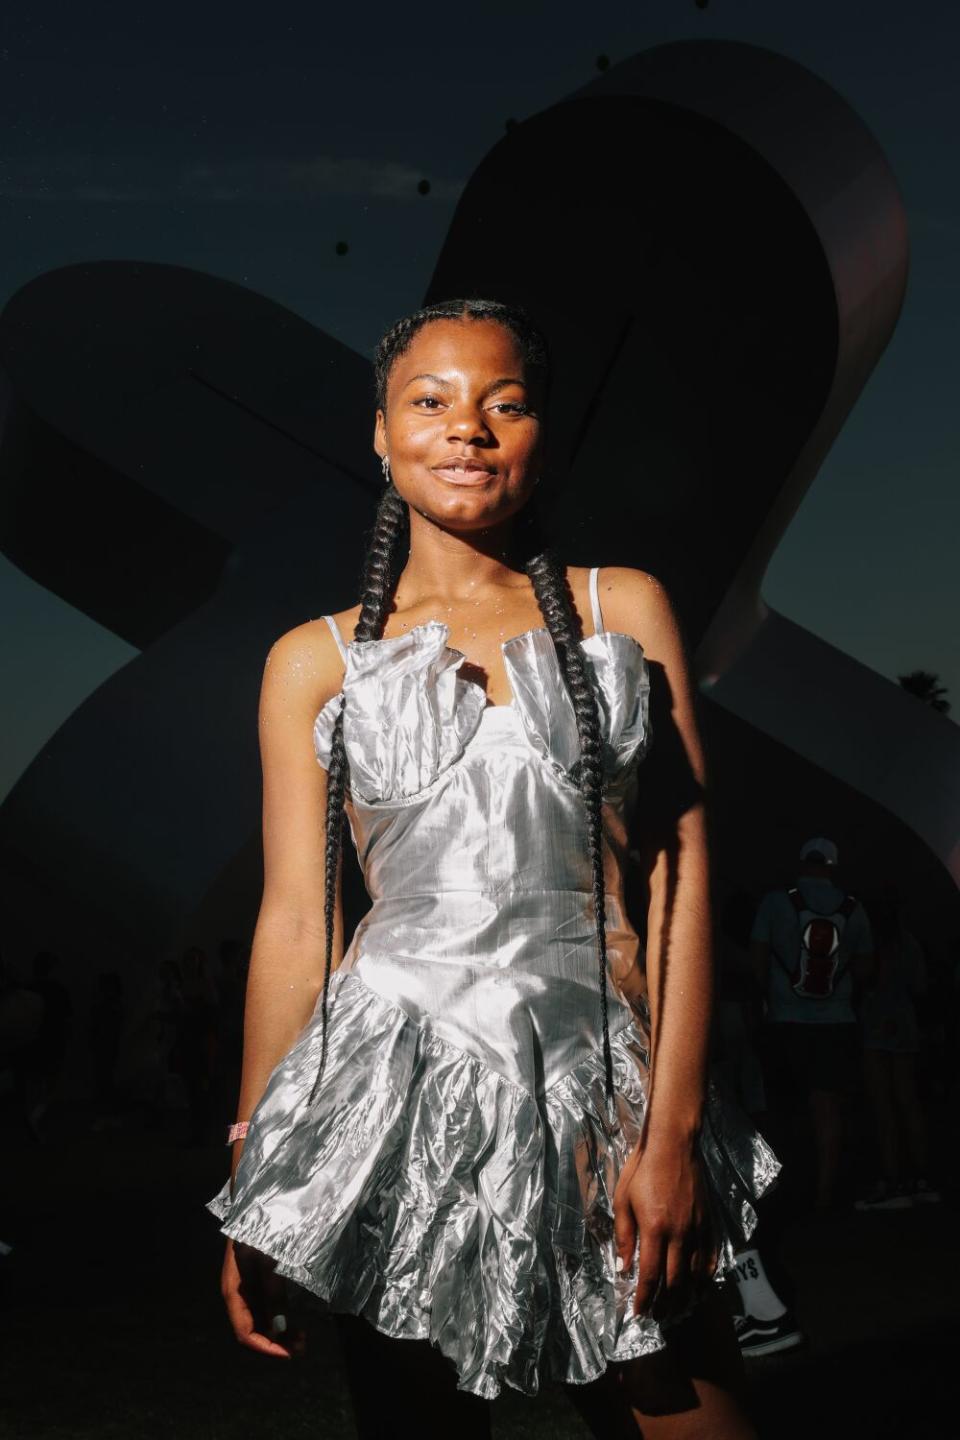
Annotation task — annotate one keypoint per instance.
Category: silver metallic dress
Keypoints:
(453, 1179)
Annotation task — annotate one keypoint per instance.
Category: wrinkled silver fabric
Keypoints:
(453, 1180)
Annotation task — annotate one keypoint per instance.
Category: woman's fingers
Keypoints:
(677, 1266)
(242, 1323)
(284, 1310)
(624, 1224)
(679, 1278)
(673, 1269)
(650, 1263)
(676, 1287)
(704, 1250)
(625, 1239)
(249, 1284)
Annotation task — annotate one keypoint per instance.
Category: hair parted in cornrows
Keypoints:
(397, 339)
(549, 582)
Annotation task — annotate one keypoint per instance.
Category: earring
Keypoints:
(385, 467)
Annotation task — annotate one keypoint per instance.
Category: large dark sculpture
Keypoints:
(717, 252)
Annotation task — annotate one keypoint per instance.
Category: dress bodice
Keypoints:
(409, 716)
(472, 834)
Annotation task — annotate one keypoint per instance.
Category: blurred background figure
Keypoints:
(763, 1322)
(148, 1047)
(808, 943)
(891, 1043)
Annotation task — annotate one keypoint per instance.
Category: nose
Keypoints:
(466, 423)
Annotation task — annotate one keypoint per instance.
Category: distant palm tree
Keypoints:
(925, 684)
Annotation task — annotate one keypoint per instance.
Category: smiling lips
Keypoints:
(464, 472)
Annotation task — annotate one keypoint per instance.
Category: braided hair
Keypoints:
(550, 590)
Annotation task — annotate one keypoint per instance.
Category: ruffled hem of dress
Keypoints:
(442, 1202)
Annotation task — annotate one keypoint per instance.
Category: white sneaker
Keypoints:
(765, 1337)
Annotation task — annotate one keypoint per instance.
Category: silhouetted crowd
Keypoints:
(163, 1056)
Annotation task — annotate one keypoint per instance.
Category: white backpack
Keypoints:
(816, 969)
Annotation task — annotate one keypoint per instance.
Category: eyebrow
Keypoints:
(490, 390)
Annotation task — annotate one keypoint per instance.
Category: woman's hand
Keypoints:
(255, 1296)
(661, 1211)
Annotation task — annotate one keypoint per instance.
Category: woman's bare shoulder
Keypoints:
(303, 665)
(637, 603)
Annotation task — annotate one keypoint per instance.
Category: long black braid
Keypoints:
(550, 590)
(376, 588)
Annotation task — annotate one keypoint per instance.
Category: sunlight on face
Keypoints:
(462, 428)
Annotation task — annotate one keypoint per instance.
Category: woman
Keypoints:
(462, 1137)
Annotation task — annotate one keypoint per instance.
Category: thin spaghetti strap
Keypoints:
(335, 632)
(595, 600)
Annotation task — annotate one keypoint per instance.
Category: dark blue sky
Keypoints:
(246, 141)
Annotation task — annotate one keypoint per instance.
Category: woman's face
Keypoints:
(461, 429)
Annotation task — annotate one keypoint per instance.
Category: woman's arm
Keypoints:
(680, 981)
(662, 1196)
(674, 852)
(303, 670)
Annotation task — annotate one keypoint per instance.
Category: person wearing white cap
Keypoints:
(820, 851)
(809, 943)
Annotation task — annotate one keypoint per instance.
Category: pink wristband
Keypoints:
(237, 1131)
